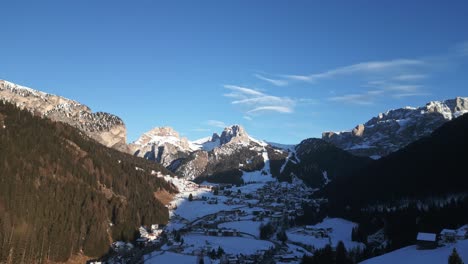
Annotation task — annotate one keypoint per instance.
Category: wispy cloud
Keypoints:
(241, 90)
(359, 68)
(410, 77)
(279, 109)
(275, 82)
(216, 123)
(381, 89)
(366, 98)
(462, 49)
(402, 95)
(253, 101)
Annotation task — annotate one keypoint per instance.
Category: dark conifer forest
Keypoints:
(62, 193)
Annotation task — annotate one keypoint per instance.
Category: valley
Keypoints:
(227, 198)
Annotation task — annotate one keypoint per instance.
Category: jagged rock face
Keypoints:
(225, 158)
(233, 151)
(233, 135)
(162, 144)
(105, 128)
(397, 128)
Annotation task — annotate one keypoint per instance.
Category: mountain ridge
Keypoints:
(105, 128)
(394, 129)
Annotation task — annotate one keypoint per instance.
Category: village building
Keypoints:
(448, 235)
(426, 241)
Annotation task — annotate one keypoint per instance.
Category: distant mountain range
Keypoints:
(394, 129)
(234, 150)
(431, 166)
(70, 183)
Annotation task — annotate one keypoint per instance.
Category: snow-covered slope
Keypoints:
(229, 155)
(397, 128)
(411, 255)
(232, 154)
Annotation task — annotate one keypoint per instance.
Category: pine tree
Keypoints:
(220, 252)
(454, 258)
(190, 197)
(341, 254)
(282, 236)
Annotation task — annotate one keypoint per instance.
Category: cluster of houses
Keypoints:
(317, 232)
(221, 232)
(446, 236)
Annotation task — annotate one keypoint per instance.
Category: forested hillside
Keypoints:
(429, 167)
(62, 193)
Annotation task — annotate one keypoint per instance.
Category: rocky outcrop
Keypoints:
(395, 129)
(234, 135)
(163, 145)
(233, 151)
(105, 128)
(229, 154)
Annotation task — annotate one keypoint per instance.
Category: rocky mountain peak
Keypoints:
(162, 144)
(358, 131)
(234, 134)
(396, 128)
(157, 133)
(105, 128)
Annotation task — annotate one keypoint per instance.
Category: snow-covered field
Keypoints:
(196, 209)
(169, 257)
(410, 255)
(249, 227)
(231, 245)
(341, 231)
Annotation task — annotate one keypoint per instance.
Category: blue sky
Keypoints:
(286, 70)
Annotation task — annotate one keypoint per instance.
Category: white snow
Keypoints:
(260, 142)
(205, 144)
(258, 176)
(325, 178)
(360, 146)
(231, 245)
(196, 209)
(427, 237)
(159, 140)
(459, 113)
(158, 257)
(249, 227)
(341, 231)
(411, 255)
(282, 146)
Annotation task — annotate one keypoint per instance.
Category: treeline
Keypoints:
(62, 193)
(432, 166)
(316, 156)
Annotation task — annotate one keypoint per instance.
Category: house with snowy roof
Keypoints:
(426, 240)
(448, 235)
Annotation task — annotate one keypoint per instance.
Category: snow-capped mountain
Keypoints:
(395, 129)
(162, 144)
(105, 128)
(226, 155)
(232, 152)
